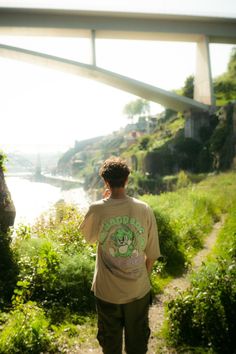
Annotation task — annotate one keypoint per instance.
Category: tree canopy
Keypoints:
(137, 107)
(225, 84)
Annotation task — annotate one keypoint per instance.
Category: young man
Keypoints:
(126, 232)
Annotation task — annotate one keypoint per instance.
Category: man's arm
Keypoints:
(152, 249)
(149, 264)
(89, 226)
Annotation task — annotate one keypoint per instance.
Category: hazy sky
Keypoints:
(47, 107)
(197, 7)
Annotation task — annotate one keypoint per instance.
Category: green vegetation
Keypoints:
(8, 270)
(156, 146)
(137, 107)
(188, 89)
(3, 159)
(204, 315)
(55, 263)
(26, 330)
(52, 307)
(167, 151)
(225, 85)
(49, 300)
(184, 217)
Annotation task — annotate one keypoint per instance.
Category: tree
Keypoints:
(225, 84)
(136, 108)
(188, 87)
(232, 64)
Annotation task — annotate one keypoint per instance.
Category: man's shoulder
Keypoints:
(139, 203)
(96, 204)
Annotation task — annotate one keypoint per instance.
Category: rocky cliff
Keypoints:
(7, 208)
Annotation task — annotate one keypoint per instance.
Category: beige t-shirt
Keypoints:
(126, 232)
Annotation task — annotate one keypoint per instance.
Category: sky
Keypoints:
(44, 109)
(197, 7)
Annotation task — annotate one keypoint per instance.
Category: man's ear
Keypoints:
(107, 184)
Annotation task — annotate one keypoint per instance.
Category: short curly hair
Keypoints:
(115, 171)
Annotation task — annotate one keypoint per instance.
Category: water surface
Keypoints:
(33, 198)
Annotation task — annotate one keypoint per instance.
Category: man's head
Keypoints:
(115, 172)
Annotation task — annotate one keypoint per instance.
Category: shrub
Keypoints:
(55, 263)
(187, 150)
(53, 277)
(147, 183)
(170, 245)
(8, 269)
(205, 160)
(183, 180)
(159, 161)
(205, 314)
(26, 330)
(38, 264)
(144, 142)
(61, 225)
(73, 284)
(3, 160)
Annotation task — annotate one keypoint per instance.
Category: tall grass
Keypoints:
(55, 266)
(205, 314)
(26, 330)
(192, 211)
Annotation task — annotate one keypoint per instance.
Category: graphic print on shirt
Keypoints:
(122, 244)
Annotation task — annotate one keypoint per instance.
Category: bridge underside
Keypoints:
(138, 88)
(57, 21)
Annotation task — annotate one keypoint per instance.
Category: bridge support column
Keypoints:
(203, 86)
(195, 121)
(93, 47)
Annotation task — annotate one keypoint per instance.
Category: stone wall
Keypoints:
(195, 120)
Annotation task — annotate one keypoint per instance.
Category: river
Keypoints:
(33, 198)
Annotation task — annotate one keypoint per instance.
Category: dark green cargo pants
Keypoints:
(132, 318)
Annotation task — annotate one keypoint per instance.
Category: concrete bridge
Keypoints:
(123, 25)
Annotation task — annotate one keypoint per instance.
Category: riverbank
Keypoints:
(56, 268)
(31, 198)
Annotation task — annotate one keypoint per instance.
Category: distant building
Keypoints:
(145, 125)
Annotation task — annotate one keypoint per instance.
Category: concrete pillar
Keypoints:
(203, 86)
(194, 121)
(93, 47)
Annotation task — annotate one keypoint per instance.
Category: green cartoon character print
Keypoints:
(123, 243)
(121, 238)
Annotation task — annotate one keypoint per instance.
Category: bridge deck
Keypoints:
(111, 24)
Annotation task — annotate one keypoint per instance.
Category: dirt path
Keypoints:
(156, 314)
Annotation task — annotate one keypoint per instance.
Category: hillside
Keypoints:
(156, 147)
(156, 156)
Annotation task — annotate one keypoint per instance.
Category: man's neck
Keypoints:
(118, 193)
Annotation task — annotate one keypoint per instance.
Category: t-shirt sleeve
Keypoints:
(152, 249)
(90, 226)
